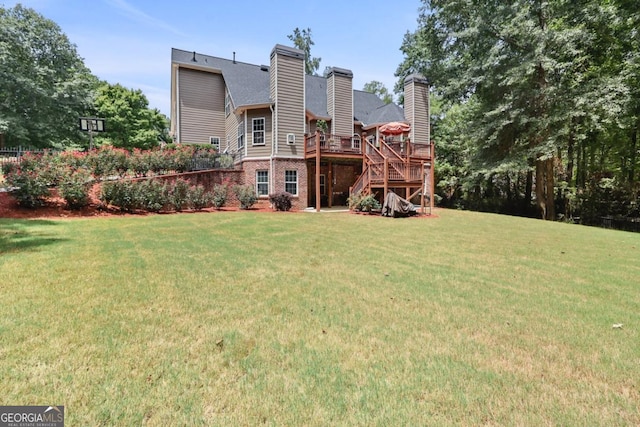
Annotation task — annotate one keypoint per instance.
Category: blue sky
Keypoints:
(129, 41)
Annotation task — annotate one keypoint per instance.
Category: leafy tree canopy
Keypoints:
(44, 84)
(130, 123)
(302, 40)
(379, 89)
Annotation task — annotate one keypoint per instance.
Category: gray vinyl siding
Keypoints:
(201, 106)
(259, 150)
(342, 123)
(409, 108)
(288, 92)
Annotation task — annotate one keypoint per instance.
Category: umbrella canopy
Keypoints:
(394, 128)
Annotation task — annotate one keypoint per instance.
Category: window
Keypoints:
(322, 140)
(241, 135)
(215, 142)
(291, 138)
(227, 105)
(355, 142)
(323, 185)
(291, 182)
(258, 131)
(262, 183)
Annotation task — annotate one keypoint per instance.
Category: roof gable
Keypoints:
(248, 86)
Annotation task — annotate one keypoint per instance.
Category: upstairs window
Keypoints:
(215, 142)
(258, 131)
(355, 142)
(241, 135)
(227, 105)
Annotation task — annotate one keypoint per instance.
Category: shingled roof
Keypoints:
(248, 85)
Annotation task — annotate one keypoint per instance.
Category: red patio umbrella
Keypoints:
(394, 128)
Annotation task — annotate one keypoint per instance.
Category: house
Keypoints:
(272, 119)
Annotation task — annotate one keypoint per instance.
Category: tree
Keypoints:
(44, 84)
(379, 89)
(535, 72)
(302, 40)
(130, 123)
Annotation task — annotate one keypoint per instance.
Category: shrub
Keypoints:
(139, 163)
(369, 203)
(29, 188)
(179, 194)
(199, 198)
(219, 195)
(122, 194)
(9, 167)
(281, 201)
(108, 161)
(246, 195)
(152, 195)
(225, 161)
(74, 188)
(362, 203)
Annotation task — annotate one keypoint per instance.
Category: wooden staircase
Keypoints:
(398, 167)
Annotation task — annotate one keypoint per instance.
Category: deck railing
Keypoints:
(333, 144)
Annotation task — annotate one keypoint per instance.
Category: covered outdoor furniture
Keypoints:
(395, 206)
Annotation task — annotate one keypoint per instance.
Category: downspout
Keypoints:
(274, 149)
(177, 135)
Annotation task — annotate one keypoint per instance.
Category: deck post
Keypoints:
(424, 177)
(318, 195)
(433, 179)
(330, 185)
(386, 178)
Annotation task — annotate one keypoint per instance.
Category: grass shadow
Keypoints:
(25, 235)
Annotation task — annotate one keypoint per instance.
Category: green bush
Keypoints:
(27, 187)
(281, 201)
(74, 188)
(179, 194)
(225, 161)
(246, 195)
(220, 195)
(199, 198)
(363, 203)
(123, 194)
(152, 195)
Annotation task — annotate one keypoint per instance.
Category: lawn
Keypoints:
(246, 318)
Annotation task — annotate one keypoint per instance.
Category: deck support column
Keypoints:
(433, 178)
(330, 185)
(318, 195)
(386, 178)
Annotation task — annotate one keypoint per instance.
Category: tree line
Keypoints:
(536, 104)
(45, 88)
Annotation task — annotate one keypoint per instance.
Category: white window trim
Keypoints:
(264, 131)
(291, 138)
(240, 136)
(355, 138)
(211, 141)
(263, 183)
(227, 105)
(291, 182)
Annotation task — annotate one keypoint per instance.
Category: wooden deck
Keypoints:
(392, 164)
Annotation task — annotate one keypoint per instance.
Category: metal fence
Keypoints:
(14, 154)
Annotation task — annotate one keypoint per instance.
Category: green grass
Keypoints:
(246, 318)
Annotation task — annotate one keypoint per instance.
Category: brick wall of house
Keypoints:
(300, 166)
(250, 167)
(278, 179)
